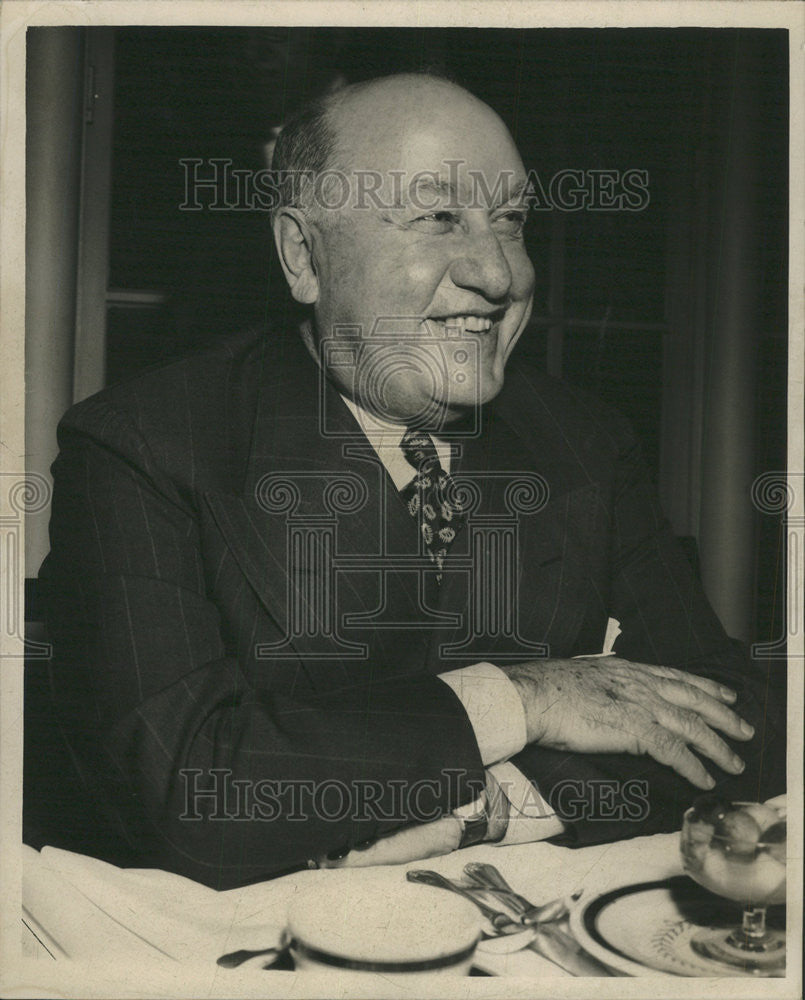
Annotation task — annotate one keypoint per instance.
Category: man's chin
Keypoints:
(490, 382)
(461, 406)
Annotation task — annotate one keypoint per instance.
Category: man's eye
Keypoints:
(510, 223)
(436, 222)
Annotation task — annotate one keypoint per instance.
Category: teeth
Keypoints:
(470, 324)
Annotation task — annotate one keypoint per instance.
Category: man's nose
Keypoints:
(483, 268)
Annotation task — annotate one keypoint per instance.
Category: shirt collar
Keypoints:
(386, 437)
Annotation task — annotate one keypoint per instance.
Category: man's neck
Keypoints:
(387, 425)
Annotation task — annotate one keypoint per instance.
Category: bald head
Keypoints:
(370, 126)
(386, 113)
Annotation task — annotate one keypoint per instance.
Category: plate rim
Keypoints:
(592, 941)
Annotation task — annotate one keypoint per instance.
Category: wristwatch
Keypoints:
(474, 820)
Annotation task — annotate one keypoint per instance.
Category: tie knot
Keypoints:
(419, 450)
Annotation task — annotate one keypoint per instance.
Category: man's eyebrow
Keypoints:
(446, 188)
(518, 189)
(439, 185)
(512, 196)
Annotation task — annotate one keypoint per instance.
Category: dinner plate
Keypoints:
(644, 929)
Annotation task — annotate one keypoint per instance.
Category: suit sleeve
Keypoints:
(204, 774)
(665, 619)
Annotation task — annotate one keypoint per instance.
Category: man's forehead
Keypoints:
(421, 125)
(461, 173)
(461, 184)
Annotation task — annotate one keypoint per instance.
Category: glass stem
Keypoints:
(753, 928)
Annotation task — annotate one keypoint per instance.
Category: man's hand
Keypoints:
(411, 843)
(610, 705)
(426, 840)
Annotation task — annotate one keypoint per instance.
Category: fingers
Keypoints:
(623, 706)
(696, 733)
(668, 749)
(718, 691)
(713, 712)
(705, 697)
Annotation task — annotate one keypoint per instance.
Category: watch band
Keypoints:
(474, 820)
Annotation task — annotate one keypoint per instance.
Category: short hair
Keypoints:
(304, 149)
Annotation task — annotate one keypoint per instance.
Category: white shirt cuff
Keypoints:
(494, 709)
(530, 816)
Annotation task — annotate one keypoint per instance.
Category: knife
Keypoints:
(560, 948)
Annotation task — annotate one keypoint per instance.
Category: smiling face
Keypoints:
(427, 266)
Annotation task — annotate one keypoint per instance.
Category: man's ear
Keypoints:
(294, 241)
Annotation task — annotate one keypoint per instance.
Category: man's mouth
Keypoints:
(468, 323)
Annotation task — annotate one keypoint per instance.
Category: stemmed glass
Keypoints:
(738, 850)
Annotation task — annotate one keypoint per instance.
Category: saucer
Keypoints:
(645, 929)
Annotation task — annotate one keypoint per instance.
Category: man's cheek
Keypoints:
(523, 276)
(343, 303)
(415, 282)
(508, 340)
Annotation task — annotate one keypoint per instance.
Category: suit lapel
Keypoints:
(319, 529)
(549, 521)
(280, 527)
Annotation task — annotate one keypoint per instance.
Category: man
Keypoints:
(329, 595)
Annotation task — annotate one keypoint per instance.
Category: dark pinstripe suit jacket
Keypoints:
(224, 612)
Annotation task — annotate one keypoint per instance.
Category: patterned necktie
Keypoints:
(430, 498)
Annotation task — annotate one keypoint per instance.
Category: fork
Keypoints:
(487, 877)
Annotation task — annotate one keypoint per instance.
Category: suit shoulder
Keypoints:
(189, 420)
(573, 411)
(176, 391)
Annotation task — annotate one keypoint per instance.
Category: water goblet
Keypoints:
(738, 850)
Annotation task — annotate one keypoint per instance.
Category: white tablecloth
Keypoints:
(82, 911)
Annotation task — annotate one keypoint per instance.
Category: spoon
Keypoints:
(509, 936)
(488, 877)
(501, 921)
(548, 941)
